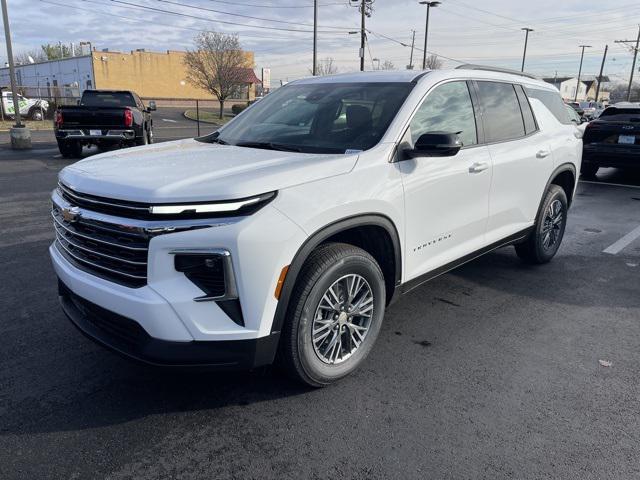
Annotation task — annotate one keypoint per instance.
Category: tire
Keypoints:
(545, 239)
(70, 148)
(142, 140)
(36, 114)
(332, 266)
(150, 135)
(589, 170)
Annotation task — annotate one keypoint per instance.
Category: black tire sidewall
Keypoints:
(318, 371)
(555, 193)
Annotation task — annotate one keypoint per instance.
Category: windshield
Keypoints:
(318, 118)
(107, 99)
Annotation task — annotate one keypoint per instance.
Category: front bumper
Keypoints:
(611, 155)
(126, 337)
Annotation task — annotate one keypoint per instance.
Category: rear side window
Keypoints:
(552, 101)
(501, 111)
(530, 125)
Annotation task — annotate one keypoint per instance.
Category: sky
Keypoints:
(280, 31)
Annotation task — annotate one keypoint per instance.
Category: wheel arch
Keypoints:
(346, 230)
(565, 176)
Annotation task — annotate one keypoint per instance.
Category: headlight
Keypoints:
(244, 206)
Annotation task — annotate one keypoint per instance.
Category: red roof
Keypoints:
(249, 76)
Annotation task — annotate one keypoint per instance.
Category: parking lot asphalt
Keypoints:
(491, 371)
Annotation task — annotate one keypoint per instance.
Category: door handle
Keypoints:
(542, 153)
(478, 167)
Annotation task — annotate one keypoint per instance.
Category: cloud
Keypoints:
(465, 30)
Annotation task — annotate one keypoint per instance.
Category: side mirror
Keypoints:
(151, 106)
(78, 102)
(435, 144)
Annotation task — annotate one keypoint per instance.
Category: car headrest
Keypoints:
(358, 116)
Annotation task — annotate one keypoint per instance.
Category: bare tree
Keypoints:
(326, 66)
(217, 65)
(433, 62)
(387, 65)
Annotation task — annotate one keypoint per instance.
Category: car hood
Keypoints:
(189, 170)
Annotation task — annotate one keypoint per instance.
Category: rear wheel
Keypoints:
(545, 239)
(588, 170)
(143, 139)
(335, 315)
(70, 148)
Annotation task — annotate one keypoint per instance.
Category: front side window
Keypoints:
(501, 111)
(447, 108)
(318, 117)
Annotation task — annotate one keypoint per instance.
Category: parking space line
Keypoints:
(610, 184)
(616, 247)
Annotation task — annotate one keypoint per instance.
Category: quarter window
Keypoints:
(447, 108)
(552, 101)
(501, 111)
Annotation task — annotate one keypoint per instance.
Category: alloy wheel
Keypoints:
(552, 225)
(342, 319)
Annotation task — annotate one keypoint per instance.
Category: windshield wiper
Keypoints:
(269, 146)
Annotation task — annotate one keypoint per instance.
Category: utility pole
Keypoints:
(315, 38)
(575, 99)
(526, 39)
(20, 134)
(604, 58)
(426, 30)
(413, 42)
(363, 13)
(633, 66)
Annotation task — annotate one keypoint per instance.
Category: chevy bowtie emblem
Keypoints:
(71, 214)
(628, 127)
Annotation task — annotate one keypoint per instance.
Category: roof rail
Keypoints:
(471, 66)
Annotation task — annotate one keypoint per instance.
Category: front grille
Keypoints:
(109, 206)
(115, 252)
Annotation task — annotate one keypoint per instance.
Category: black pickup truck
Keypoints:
(105, 118)
(612, 140)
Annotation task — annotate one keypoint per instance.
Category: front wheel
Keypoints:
(335, 314)
(545, 239)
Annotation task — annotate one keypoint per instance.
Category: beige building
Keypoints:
(152, 75)
(157, 75)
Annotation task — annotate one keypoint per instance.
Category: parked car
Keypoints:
(612, 140)
(105, 118)
(574, 117)
(576, 106)
(286, 233)
(591, 109)
(34, 109)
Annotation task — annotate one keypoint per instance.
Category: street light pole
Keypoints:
(575, 99)
(426, 30)
(315, 38)
(526, 39)
(20, 135)
(363, 12)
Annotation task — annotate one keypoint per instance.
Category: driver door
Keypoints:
(446, 198)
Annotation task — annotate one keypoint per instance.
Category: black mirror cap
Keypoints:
(435, 144)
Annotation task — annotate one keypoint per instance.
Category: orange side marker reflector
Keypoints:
(283, 275)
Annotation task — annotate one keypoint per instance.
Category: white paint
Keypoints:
(169, 120)
(616, 247)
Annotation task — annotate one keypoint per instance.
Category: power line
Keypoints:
(236, 4)
(197, 7)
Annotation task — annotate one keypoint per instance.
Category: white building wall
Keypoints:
(568, 90)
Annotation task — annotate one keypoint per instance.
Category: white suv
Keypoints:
(284, 234)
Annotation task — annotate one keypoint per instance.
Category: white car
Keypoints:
(285, 234)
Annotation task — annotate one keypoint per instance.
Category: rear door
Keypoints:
(446, 198)
(521, 157)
